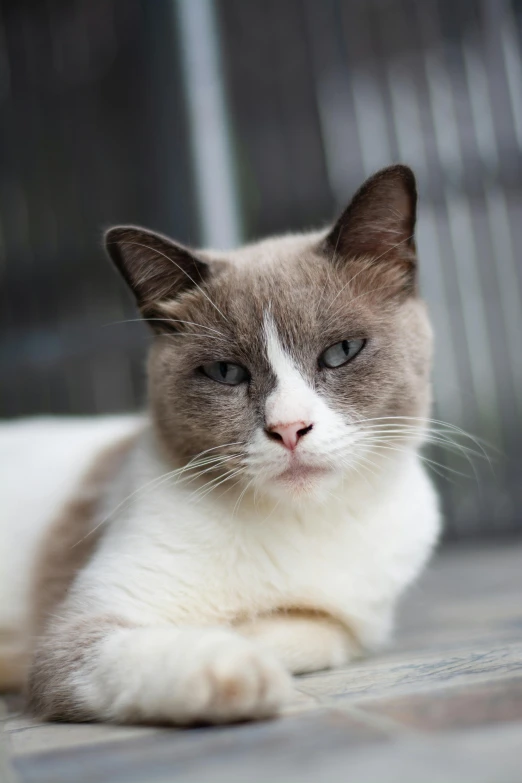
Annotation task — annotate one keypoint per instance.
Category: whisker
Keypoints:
(355, 466)
(479, 442)
(211, 485)
(240, 498)
(372, 291)
(372, 261)
(158, 481)
(173, 336)
(427, 420)
(221, 446)
(200, 491)
(378, 445)
(366, 265)
(429, 436)
(323, 292)
(227, 489)
(167, 320)
(271, 512)
(150, 485)
(215, 466)
(369, 461)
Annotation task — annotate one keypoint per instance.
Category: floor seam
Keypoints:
(374, 721)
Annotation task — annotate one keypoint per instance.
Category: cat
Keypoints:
(264, 517)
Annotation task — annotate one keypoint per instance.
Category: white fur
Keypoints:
(165, 559)
(169, 563)
(181, 676)
(41, 462)
(207, 582)
(293, 399)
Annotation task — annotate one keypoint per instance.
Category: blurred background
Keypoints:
(221, 121)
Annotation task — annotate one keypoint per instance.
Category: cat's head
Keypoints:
(294, 362)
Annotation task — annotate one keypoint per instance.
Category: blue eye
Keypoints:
(226, 372)
(341, 353)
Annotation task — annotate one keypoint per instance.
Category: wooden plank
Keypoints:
(254, 752)
(446, 697)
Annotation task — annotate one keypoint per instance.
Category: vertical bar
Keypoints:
(371, 121)
(513, 66)
(212, 153)
(480, 104)
(333, 96)
(505, 260)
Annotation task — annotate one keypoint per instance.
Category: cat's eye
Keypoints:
(341, 353)
(226, 372)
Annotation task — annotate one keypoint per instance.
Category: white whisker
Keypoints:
(240, 498)
(385, 445)
(154, 483)
(371, 262)
(167, 320)
(175, 335)
(215, 483)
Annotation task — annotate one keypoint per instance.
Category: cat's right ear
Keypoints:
(156, 269)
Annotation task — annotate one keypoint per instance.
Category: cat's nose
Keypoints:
(289, 434)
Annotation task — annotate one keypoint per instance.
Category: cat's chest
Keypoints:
(180, 563)
(223, 572)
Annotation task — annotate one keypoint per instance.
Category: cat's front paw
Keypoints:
(182, 676)
(232, 679)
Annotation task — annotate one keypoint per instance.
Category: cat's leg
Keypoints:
(303, 642)
(102, 669)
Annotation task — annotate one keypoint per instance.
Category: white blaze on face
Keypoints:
(292, 400)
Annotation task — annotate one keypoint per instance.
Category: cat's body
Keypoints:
(158, 596)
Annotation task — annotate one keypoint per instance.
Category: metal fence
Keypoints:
(216, 122)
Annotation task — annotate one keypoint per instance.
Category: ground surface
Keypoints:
(444, 705)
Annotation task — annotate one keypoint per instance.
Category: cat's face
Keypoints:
(288, 363)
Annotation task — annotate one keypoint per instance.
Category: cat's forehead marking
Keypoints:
(280, 360)
(292, 398)
(292, 393)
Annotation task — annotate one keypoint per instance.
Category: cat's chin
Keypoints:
(302, 476)
(300, 483)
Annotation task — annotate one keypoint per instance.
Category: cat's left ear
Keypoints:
(379, 223)
(156, 269)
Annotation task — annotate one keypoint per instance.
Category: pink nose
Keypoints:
(289, 434)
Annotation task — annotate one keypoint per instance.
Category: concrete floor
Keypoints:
(443, 705)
